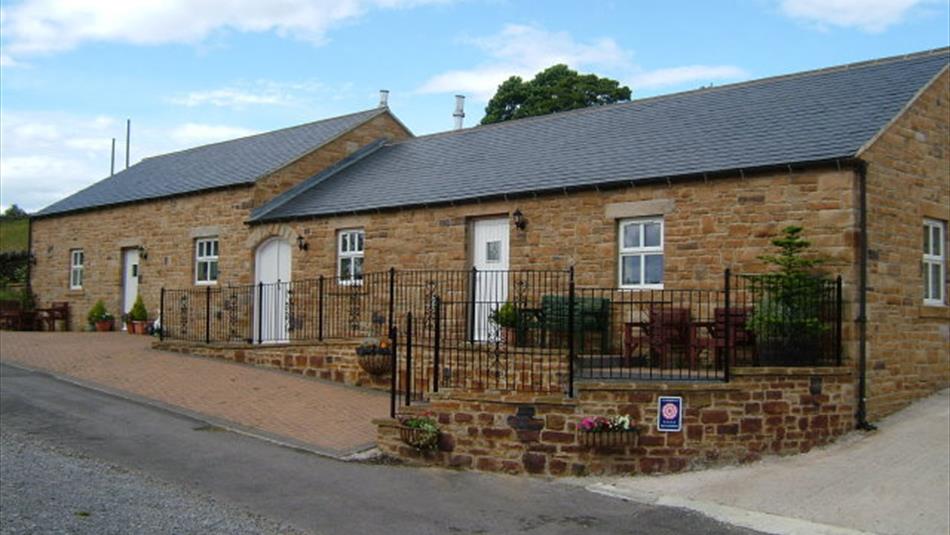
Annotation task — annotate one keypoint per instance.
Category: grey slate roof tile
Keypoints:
(811, 116)
(228, 163)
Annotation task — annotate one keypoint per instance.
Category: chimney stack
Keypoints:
(383, 98)
(112, 167)
(459, 111)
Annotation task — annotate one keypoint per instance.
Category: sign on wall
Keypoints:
(669, 415)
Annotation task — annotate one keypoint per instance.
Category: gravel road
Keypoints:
(46, 489)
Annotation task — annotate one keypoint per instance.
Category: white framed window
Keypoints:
(934, 266)
(640, 262)
(206, 261)
(77, 259)
(350, 256)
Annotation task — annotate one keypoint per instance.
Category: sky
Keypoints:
(190, 72)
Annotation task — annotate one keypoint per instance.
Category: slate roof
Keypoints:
(807, 117)
(228, 163)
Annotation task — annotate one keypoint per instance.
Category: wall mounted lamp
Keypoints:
(302, 243)
(519, 220)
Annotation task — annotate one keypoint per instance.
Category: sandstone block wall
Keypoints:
(762, 411)
(908, 180)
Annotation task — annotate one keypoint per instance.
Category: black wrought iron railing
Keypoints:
(529, 330)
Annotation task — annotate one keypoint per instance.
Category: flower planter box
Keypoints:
(421, 439)
(598, 440)
(103, 326)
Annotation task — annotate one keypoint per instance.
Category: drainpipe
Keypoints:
(862, 415)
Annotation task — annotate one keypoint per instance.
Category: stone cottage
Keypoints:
(658, 193)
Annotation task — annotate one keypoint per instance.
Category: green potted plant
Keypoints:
(787, 321)
(100, 318)
(506, 317)
(420, 432)
(138, 317)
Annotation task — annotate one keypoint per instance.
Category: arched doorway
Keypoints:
(272, 294)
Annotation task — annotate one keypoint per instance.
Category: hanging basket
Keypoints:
(598, 440)
(421, 439)
(376, 364)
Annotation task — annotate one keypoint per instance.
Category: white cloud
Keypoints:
(45, 26)
(525, 50)
(199, 134)
(680, 75)
(869, 15)
(520, 50)
(260, 93)
(227, 97)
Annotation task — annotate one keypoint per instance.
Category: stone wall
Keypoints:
(331, 360)
(761, 411)
(908, 179)
(167, 229)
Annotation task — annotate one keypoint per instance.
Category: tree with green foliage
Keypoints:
(554, 89)
(14, 212)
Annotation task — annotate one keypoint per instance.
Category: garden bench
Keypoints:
(591, 315)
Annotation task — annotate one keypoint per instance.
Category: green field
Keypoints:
(14, 234)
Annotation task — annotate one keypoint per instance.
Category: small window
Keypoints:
(493, 251)
(77, 259)
(641, 253)
(206, 261)
(350, 256)
(934, 266)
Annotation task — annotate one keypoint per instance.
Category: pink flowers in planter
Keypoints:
(604, 424)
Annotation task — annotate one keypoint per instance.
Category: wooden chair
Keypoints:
(58, 310)
(739, 334)
(11, 316)
(666, 333)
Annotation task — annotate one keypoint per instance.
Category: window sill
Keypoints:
(640, 288)
(212, 283)
(934, 311)
(75, 291)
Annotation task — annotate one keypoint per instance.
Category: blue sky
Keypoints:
(194, 72)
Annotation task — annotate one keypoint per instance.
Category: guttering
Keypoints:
(862, 414)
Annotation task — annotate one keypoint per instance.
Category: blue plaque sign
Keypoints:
(669, 414)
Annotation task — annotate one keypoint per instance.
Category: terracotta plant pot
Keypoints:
(140, 327)
(129, 328)
(103, 326)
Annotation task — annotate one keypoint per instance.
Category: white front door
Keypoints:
(272, 268)
(130, 279)
(490, 259)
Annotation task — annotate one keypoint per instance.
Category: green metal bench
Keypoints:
(591, 316)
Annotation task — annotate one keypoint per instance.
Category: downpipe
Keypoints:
(862, 320)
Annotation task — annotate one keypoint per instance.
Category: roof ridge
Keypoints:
(268, 132)
(734, 85)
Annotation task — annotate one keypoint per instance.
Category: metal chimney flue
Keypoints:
(459, 114)
(112, 165)
(383, 98)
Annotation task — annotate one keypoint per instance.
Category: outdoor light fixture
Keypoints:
(143, 252)
(302, 243)
(518, 218)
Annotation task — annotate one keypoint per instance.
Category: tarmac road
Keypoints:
(312, 493)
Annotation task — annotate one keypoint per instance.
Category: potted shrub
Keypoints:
(100, 318)
(138, 317)
(420, 432)
(606, 431)
(374, 355)
(787, 321)
(506, 317)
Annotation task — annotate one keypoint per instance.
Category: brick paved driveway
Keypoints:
(331, 418)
